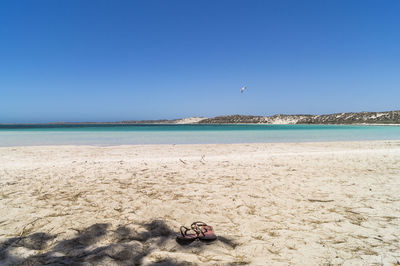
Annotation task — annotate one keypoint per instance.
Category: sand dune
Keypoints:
(303, 204)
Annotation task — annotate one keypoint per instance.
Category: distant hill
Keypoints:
(391, 117)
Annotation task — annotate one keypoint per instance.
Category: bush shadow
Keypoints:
(95, 245)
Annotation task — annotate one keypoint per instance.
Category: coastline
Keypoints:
(290, 203)
(120, 123)
(199, 124)
(192, 145)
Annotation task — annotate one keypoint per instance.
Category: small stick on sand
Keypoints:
(318, 200)
(23, 229)
(182, 161)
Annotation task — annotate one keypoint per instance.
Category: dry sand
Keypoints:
(302, 204)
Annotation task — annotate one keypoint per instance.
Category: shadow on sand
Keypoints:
(95, 245)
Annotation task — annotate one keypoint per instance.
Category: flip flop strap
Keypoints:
(198, 227)
(199, 223)
(184, 232)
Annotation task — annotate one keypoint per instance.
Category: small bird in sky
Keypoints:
(242, 89)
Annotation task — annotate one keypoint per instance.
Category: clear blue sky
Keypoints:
(77, 60)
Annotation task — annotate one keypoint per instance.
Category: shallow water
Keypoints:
(116, 134)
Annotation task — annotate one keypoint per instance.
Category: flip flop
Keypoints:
(184, 236)
(204, 231)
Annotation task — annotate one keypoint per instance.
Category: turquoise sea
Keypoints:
(117, 134)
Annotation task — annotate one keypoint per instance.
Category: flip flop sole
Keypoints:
(186, 237)
(186, 240)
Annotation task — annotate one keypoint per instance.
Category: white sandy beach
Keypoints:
(334, 203)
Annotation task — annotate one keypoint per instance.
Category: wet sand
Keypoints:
(281, 203)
